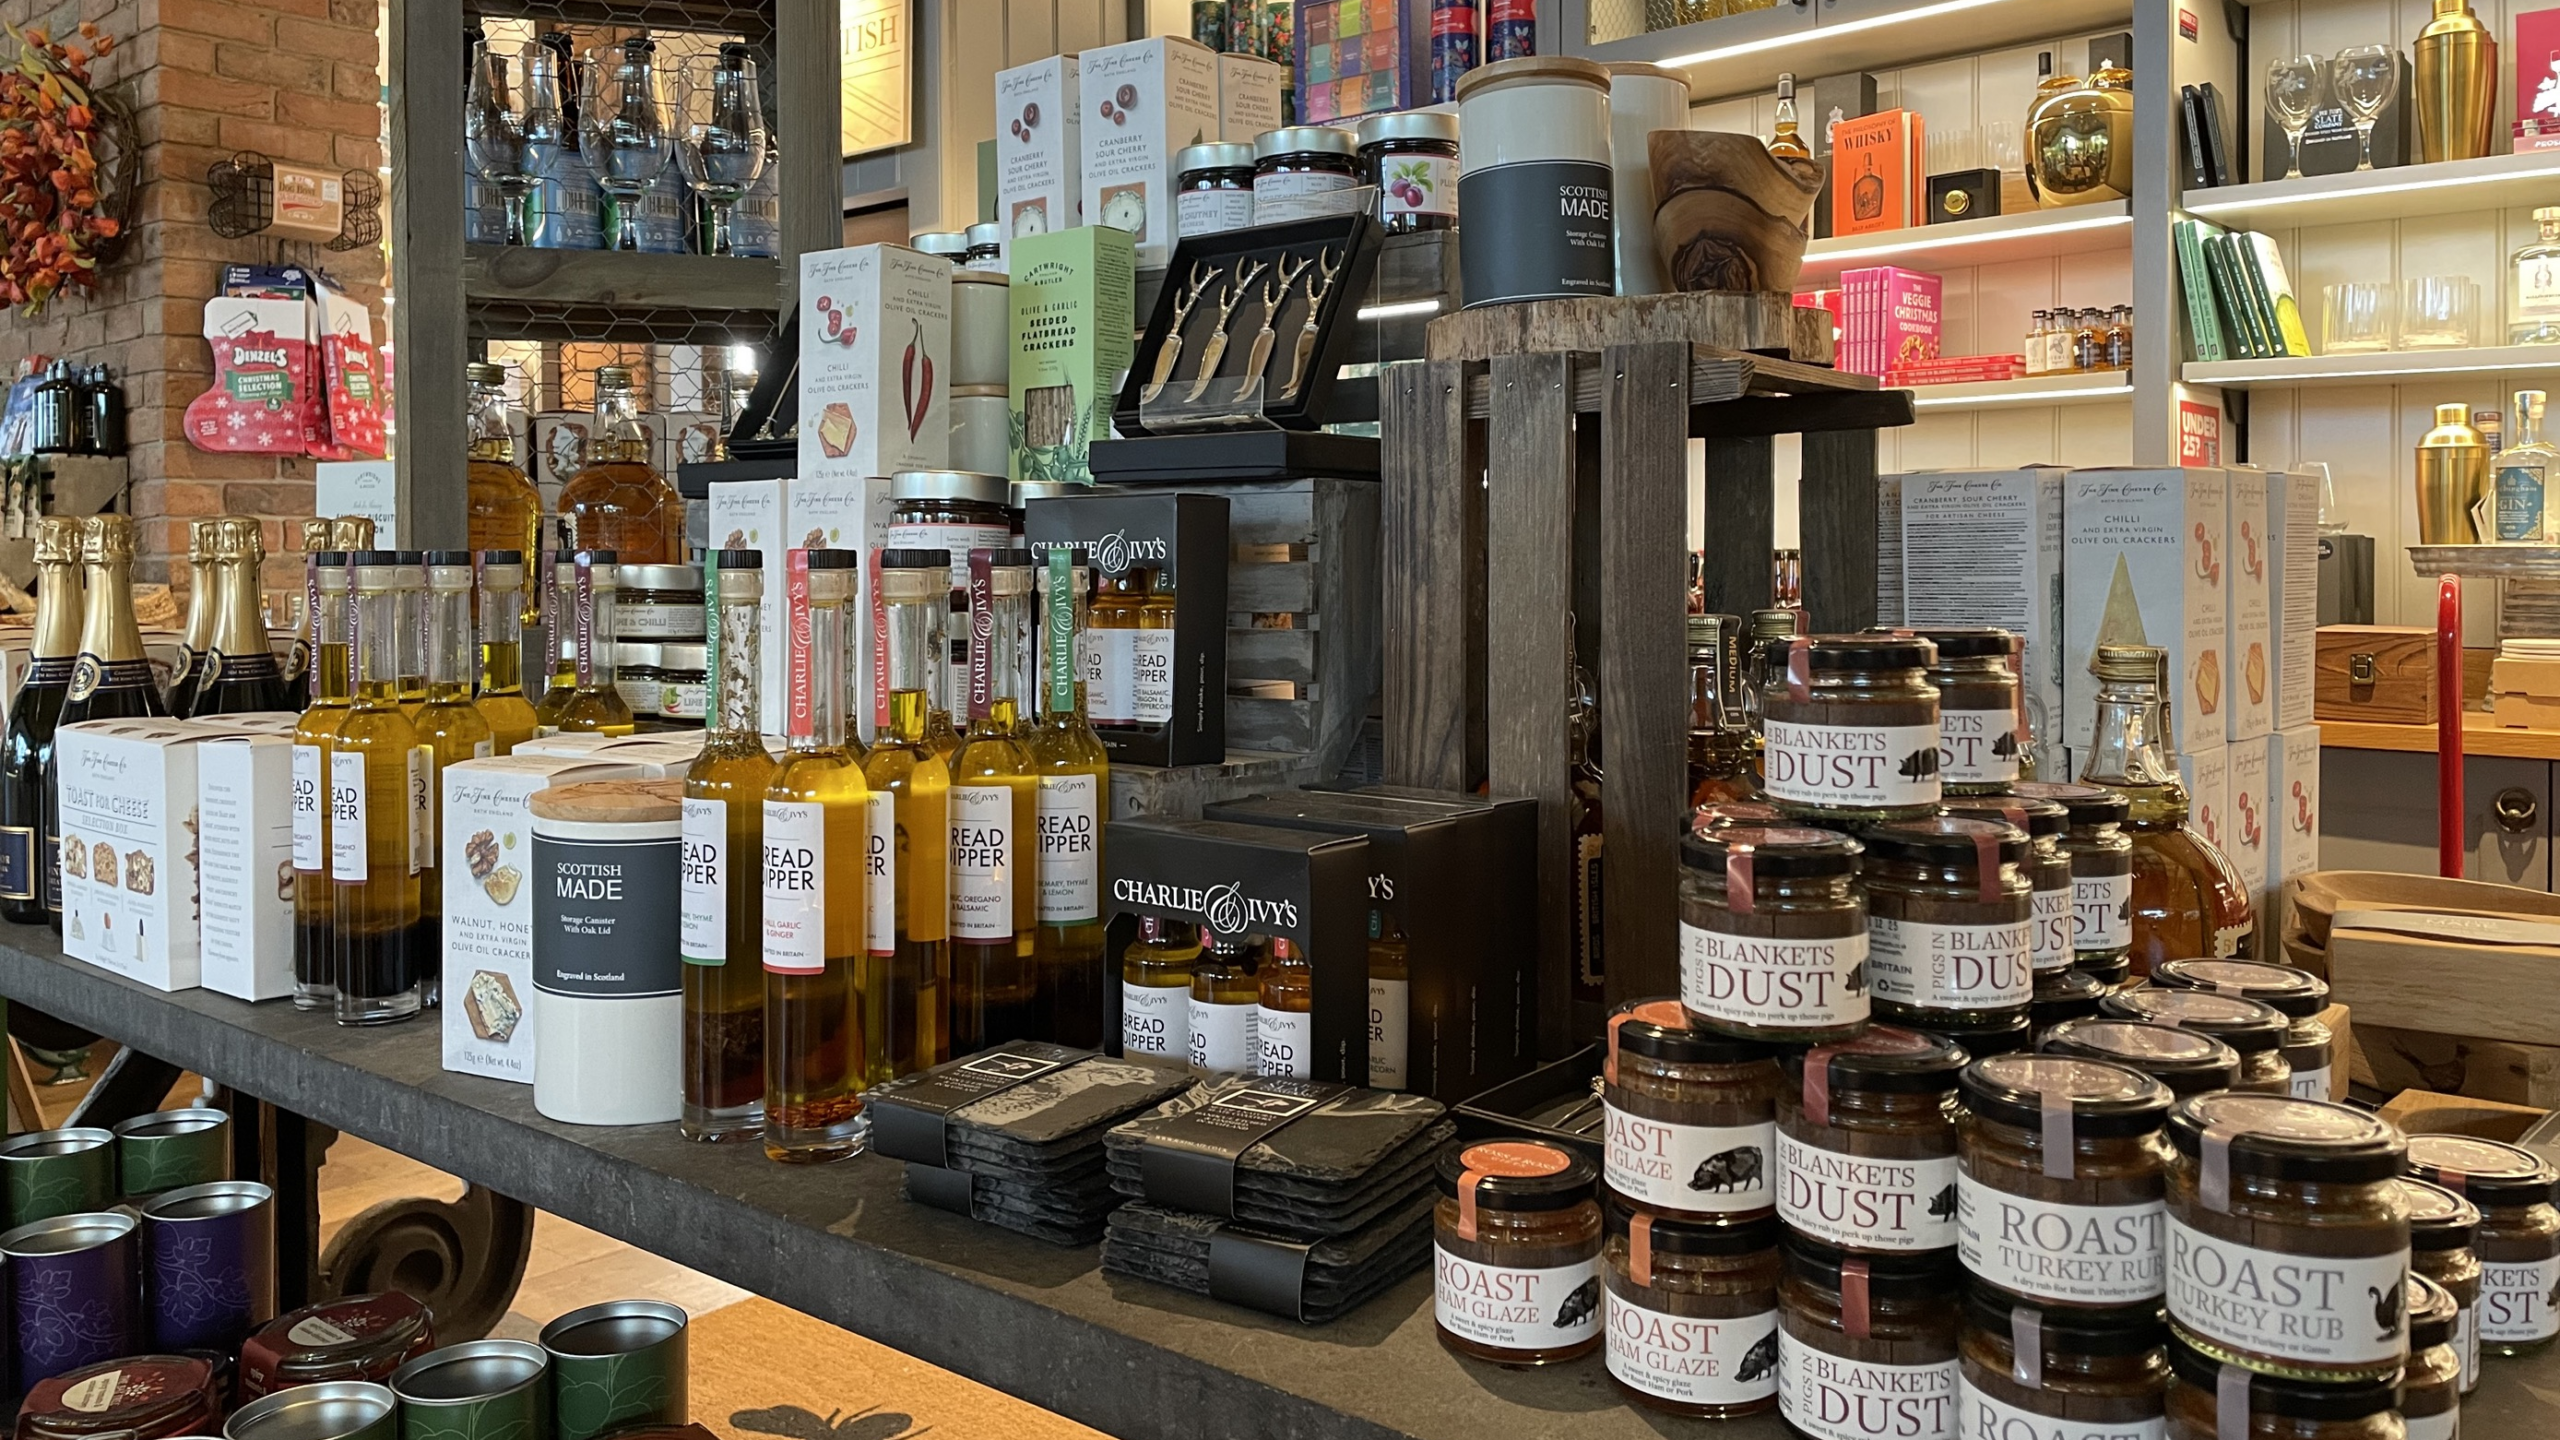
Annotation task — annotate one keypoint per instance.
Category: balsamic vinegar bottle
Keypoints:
(202, 597)
(376, 829)
(30, 847)
(327, 604)
(450, 728)
(906, 1010)
(994, 990)
(238, 672)
(1073, 797)
(720, 926)
(111, 679)
(501, 702)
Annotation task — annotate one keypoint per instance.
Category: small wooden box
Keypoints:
(2382, 674)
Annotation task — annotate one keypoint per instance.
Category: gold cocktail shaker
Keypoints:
(2456, 78)
(2453, 475)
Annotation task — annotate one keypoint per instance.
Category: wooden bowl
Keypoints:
(1731, 216)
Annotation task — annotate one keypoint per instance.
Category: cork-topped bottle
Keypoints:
(2185, 902)
(202, 596)
(238, 672)
(111, 678)
(30, 832)
(505, 505)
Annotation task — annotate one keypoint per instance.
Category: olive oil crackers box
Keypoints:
(875, 362)
(1074, 314)
(2144, 557)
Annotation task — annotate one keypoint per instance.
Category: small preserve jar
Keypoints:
(1866, 1145)
(2058, 1185)
(1516, 1253)
(986, 247)
(1867, 1343)
(684, 686)
(2310, 1047)
(136, 1397)
(2059, 1370)
(637, 677)
(1979, 717)
(1849, 728)
(1773, 933)
(1948, 922)
(2519, 1236)
(2187, 1062)
(1297, 163)
(1412, 157)
(658, 602)
(1690, 1115)
(1213, 189)
(2280, 1407)
(354, 1337)
(2263, 1186)
(2441, 1227)
(2063, 995)
(953, 510)
(2101, 868)
(2112, 972)
(2255, 1030)
(2048, 869)
(2431, 1384)
(1692, 1312)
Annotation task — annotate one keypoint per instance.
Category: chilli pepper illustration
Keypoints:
(916, 382)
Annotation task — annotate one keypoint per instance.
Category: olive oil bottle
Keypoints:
(1073, 779)
(326, 603)
(906, 1009)
(202, 597)
(1155, 989)
(561, 635)
(595, 706)
(377, 827)
(111, 679)
(238, 672)
(1224, 997)
(297, 665)
(409, 632)
(816, 812)
(720, 932)
(450, 728)
(501, 702)
(1284, 1030)
(1111, 645)
(994, 991)
(30, 842)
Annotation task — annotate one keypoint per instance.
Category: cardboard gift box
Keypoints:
(1039, 150)
(875, 362)
(244, 810)
(1072, 302)
(129, 846)
(1181, 692)
(1147, 99)
(1985, 547)
(2249, 617)
(2144, 555)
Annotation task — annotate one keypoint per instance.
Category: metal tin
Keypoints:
(952, 245)
(331, 1410)
(71, 1291)
(477, 1388)
(617, 1364)
(209, 1264)
(981, 328)
(173, 1148)
(131, 1397)
(58, 1172)
(959, 485)
(354, 1337)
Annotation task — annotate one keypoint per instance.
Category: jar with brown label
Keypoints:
(2187, 1062)
(1980, 722)
(2058, 1370)
(2519, 1236)
(2431, 1383)
(2058, 1183)
(2048, 869)
(1867, 1142)
(2265, 1190)
(2063, 995)
(2254, 1030)
(2101, 867)
(1516, 1253)
(2441, 1227)
(2276, 1407)
(1949, 917)
(1692, 1312)
(136, 1397)
(1867, 1343)
(1849, 728)
(1773, 933)
(1690, 1115)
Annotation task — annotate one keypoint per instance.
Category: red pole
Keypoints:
(2449, 727)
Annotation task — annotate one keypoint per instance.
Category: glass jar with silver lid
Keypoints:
(659, 602)
(637, 675)
(1412, 157)
(684, 689)
(1213, 189)
(1300, 170)
(986, 247)
(951, 245)
(954, 510)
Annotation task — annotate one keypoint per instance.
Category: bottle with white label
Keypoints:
(1515, 1254)
(450, 728)
(1390, 1003)
(1151, 655)
(1867, 1343)
(1111, 645)
(1284, 1023)
(816, 834)
(906, 1013)
(1691, 1311)
(2518, 1239)
(1226, 997)
(720, 919)
(1155, 989)
(1073, 798)
(994, 822)
(2092, 1373)
(374, 814)
(325, 601)
(1849, 729)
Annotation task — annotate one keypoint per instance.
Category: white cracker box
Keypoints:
(875, 362)
(1145, 101)
(1039, 154)
(244, 816)
(2143, 559)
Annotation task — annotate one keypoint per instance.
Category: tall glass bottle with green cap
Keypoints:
(721, 915)
(1072, 799)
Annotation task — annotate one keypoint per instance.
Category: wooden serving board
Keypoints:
(1736, 320)
(2491, 992)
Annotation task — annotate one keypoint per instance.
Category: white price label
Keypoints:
(1154, 1019)
(1788, 984)
(795, 901)
(1069, 817)
(1697, 1362)
(1513, 1307)
(702, 913)
(880, 874)
(1831, 1397)
(1284, 1043)
(2326, 1309)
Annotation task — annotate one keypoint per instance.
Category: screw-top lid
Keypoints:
(1731, 813)
(961, 485)
(613, 377)
(2038, 818)
(834, 559)
(1303, 140)
(914, 559)
(2288, 1139)
(940, 242)
(1690, 1237)
(1984, 1032)
(729, 560)
(1950, 840)
(1796, 852)
(1971, 644)
(2086, 804)
(1516, 1175)
(480, 372)
(2244, 1025)
(2432, 1311)
(1391, 125)
(1212, 156)
(2283, 1396)
(2065, 1329)
(2438, 1218)
(2127, 663)
(1660, 1030)
(984, 234)
(1863, 654)
(1904, 1275)
(2297, 993)
(2102, 1099)
(1778, 622)
(2186, 1061)
(2113, 972)
(662, 577)
(1883, 1058)
(2062, 995)
(2489, 1173)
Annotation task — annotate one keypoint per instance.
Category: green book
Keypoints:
(2274, 289)
(2236, 312)
(2203, 316)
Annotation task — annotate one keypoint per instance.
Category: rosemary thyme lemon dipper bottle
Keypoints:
(450, 727)
(30, 842)
(325, 601)
(721, 919)
(994, 991)
(815, 821)
(377, 831)
(501, 701)
(1073, 792)
(238, 672)
(906, 1009)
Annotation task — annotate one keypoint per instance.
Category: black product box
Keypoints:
(1471, 987)
(1184, 537)
(1506, 866)
(2330, 147)
(1963, 195)
(1254, 880)
(1553, 1102)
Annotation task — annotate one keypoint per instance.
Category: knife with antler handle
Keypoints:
(1275, 297)
(1330, 266)
(1171, 352)
(1216, 349)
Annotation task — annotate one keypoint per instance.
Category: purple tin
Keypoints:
(209, 1264)
(71, 1292)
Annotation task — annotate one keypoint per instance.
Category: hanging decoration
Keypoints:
(67, 168)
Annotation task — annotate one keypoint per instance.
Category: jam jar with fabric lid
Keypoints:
(2272, 1407)
(952, 510)
(2519, 1236)
(2265, 1187)
(1690, 1115)
(1412, 157)
(2254, 1030)
(1691, 1311)
(2037, 1370)
(1297, 163)
(1867, 1144)
(1212, 188)
(2441, 1227)
(1949, 917)
(1773, 933)
(2101, 868)
(1516, 1253)
(136, 1397)
(354, 1337)
(2047, 868)
(2431, 1383)
(2063, 995)
(1867, 1343)
(2310, 1047)
(2058, 1193)
(2187, 1062)
(1981, 723)
(1849, 728)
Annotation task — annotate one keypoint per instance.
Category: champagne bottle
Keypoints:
(594, 705)
(238, 672)
(450, 728)
(502, 705)
(378, 830)
(111, 680)
(30, 842)
(994, 993)
(1073, 796)
(326, 603)
(721, 924)
(905, 1008)
(202, 598)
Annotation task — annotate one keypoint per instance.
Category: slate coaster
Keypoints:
(1334, 1146)
(1173, 1249)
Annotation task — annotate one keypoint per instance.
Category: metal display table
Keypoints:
(838, 1242)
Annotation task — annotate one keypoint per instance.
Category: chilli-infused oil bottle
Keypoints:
(501, 701)
(994, 992)
(721, 918)
(906, 1009)
(30, 847)
(1073, 778)
(238, 672)
(450, 728)
(815, 820)
(325, 601)
(377, 833)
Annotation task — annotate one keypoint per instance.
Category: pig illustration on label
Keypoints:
(1577, 1307)
(1734, 1169)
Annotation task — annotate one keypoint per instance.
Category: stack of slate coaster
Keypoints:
(1298, 1198)
(1014, 1136)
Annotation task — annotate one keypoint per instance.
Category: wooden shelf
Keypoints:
(2385, 368)
(1992, 240)
(2096, 387)
(2495, 182)
(620, 278)
(1741, 54)
(2481, 735)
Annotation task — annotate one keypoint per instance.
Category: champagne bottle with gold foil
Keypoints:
(505, 505)
(1155, 989)
(2454, 85)
(238, 672)
(450, 727)
(595, 706)
(501, 701)
(994, 991)
(816, 814)
(378, 828)
(326, 604)
(30, 839)
(720, 931)
(111, 679)
(906, 1009)
(202, 598)
(1073, 797)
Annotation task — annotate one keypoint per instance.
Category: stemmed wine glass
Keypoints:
(721, 140)
(2293, 88)
(623, 121)
(2366, 78)
(494, 114)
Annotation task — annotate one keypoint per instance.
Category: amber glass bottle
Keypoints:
(1284, 1035)
(238, 672)
(326, 603)
(721, 919)
(1110, 646)
(1155, 989)
(501, 701)
(1074, 795)
(2184, 902)
(377, 825)
(30, 845)
(202, 596)
(1226, 996)
(994, 904)
(619, 501)
(906, 1003)
(594, 705)
(506, 506)
(450, 728)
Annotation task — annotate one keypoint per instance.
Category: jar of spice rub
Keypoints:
(1849, 728)
(2441, 1227)
(2519, 1236)
(2256, 1031)
(1867, 1143)
(2039, 1371)
(1867, 1343)
(2058, 1191)
(1773, 933)
(1949, 921)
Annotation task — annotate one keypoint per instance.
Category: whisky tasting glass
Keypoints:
(2358, 317)
(493, 129)
(2439, 312)
(2366, 78)
(624, 124)
(722, 141)
(2293, 88)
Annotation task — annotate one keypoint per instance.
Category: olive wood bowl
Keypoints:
(1731, 216)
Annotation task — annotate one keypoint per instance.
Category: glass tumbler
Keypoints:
(2439, 312)
(2358, 317)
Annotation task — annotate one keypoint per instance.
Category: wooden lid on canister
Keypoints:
(611, 802)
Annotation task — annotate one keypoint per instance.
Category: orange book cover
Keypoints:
(1875, 172)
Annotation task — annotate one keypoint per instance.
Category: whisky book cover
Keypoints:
(1872, 174)
(2226, 289)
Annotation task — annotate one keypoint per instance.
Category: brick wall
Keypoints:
(294, 79)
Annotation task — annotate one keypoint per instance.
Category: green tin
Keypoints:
(478, 1390)
(617, 1364)
(58, 1172)
(172, 1149)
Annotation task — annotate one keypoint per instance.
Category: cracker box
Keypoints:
(749, 515)
(557, 450)
(1073, 301)
(1984, 547)
(844, 515)
(244, 817)
(2143, 557)
(2245, 833)
(2207, 773)
(2249, 629)
(875, 362)
(1147, 100)
(2293, 807)
(2293, 593)
(1039, 159)
(1248, 96)
(129, 845)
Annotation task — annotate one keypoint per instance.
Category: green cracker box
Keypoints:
(1074, 296)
